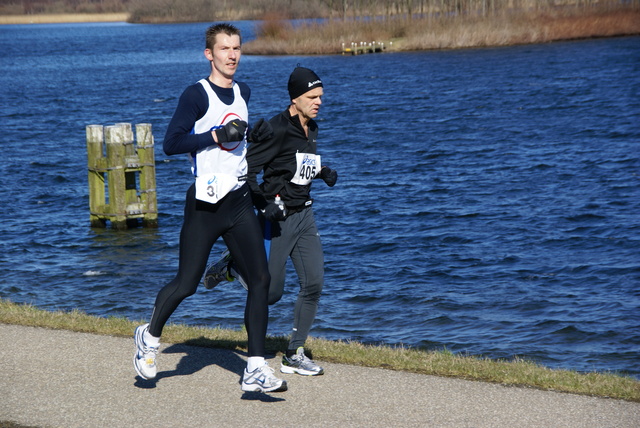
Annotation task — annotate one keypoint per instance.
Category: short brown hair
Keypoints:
(216, 29)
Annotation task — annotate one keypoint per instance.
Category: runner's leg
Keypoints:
(200, 229)
(244, 241)
(308, 260)
(280, 239)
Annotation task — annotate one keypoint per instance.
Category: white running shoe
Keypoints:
(218, 272)
(301, 364)
(262, 379)
(144, 360)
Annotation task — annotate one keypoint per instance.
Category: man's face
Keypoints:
(225, 55)
(308, 104)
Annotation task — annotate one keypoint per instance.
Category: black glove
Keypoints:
(274, 212)
(232, 131)
(261, 131)
(330, 176)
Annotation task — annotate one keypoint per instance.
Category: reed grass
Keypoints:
(277, 37)
(516, 372)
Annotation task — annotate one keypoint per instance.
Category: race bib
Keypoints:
(213, 187)
(308, 166)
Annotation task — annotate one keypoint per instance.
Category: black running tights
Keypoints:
(233, 219)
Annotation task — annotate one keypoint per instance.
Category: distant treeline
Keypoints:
(215, 10)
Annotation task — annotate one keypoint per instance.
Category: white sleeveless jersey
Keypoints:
(228, 159)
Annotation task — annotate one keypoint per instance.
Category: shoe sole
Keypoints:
(302, 372)
(208, 286)
(252, 388)
(225, 259)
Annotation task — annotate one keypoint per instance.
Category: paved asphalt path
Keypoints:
(52, 378)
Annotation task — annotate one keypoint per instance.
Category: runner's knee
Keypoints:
(274, 296)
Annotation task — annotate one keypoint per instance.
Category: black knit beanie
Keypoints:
(302, 80)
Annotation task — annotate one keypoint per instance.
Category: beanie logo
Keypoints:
(315, 83)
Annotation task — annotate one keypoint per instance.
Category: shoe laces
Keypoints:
(152, 350)
(266, 369)
(149, 351)
(300, 356)
(268, 372)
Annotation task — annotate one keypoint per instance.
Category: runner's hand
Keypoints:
(232, 131)
(330, 176)
(261, 131)
(274, 212)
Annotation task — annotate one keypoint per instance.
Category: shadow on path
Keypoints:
(198, 357)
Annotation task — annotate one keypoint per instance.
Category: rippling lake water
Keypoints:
(488, 199)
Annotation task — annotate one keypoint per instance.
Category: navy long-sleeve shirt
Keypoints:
(192, 105)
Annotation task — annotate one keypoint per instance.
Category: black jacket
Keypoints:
(276, 159)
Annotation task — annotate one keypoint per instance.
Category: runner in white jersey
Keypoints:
(210, 124)
(220, 168)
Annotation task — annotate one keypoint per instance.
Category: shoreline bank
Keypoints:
(336, 37)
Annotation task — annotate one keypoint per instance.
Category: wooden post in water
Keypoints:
(97, 166)
(147, 174)
(123, 163)
(116, 208)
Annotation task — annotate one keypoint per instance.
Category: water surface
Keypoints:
(487, 202)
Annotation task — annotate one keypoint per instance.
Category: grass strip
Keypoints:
(517, 372)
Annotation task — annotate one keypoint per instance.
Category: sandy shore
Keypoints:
(63, 18)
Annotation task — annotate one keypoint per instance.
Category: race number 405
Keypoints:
(308, 167)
